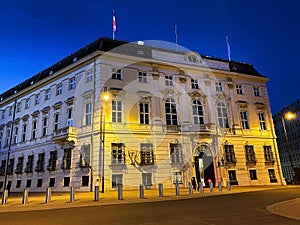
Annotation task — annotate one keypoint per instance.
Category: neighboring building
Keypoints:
(170, 116)
(288, 140)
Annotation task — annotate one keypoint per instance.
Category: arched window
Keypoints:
(198, 114)
(171, 113)
(222, 115)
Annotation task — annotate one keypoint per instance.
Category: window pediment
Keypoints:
(197, 95)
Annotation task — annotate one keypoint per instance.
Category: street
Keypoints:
(240, 208)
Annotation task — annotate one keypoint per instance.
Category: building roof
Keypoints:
(106, 44)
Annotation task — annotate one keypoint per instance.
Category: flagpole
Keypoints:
(228, 48)
(114, 24)
(176, 37)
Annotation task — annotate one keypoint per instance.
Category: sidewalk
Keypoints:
(36, 201)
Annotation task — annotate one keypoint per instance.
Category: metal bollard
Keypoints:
(201, 188)
(48, 195)
(72, 194)
(141, 191)
(96, 193)
(120, 192)
(220, 185)
(160, 190)
(228, 185)
(25, 196)
(190, 188)
(211, 186)
(4, 197)
(177, 189)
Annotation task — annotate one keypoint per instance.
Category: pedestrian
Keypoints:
(194, 183)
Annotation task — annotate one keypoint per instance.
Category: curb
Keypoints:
(288, 204)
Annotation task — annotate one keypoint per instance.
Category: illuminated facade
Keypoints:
(169, 116)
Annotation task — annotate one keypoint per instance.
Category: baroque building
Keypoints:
(125, 113)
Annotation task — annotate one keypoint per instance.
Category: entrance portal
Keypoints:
(204, 166)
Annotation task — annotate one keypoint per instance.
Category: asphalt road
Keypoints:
(242, 209)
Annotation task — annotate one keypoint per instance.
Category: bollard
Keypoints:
(211, 186)
(25, 196)
(177, 189)
(220, 185)
(160, 190)
(201, 188)
(228, 185)
(4, 197)
(48, 195)
(120, 192)
(190, 188)
(96, 193)
(72, 194)
(141, 191)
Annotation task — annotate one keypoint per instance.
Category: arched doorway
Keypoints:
(204, 165)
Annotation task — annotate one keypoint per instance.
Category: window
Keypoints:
(257, 91)
(24, 129)
(268, 154)
(3, 114)
(171, 113)
(19, 167)
(239, 89)
(195, 84)
(117, 153)
(177, 177)
(272, 176)
(28, 183)
(147, 156)
(16, 135)
(67, 159)
(222, 115)
(18, 185)
(219, 86)
(66, 181)
(52, 182)
(37, 99)
(10, 166)
(2, 168)
(175, 153)
(144, 113)
(45, 126)
(244, 119)
(52, 161)
(85, 181)
(10, 109)
(56, 121)
(7, 137)
(39, 183)
(85, 159)
(27, 103)
(19, 106)
(1, 136)
(34, 129)
(147, 179)
(198, 115)
(29, 164)
(72, 83)
(116, 73)
(47, 94)
(70, 117)
(250, 154)
(143, 78)
(229, 154)
(168, 80)
(117, 179)
(252, 174)
(232, 177)
(88, 113)
(262, 120)
(59, 89)
(40, 164)
(89, 76)
(193, 58)
(116, 112)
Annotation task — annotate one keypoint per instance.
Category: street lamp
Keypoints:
(288, 116)
(105, 97)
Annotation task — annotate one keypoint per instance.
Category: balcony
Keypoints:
(63, 135)
(19, 169)
(52, 165)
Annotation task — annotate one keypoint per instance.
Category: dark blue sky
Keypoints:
(35, 34)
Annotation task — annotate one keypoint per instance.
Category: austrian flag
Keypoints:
(114, 23)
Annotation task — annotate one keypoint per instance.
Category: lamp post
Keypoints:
(288, 116)
(105, 97)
